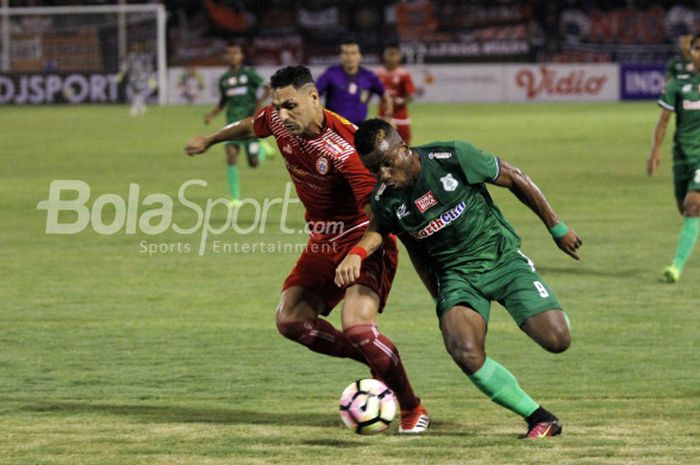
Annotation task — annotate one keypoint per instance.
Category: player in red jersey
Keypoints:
(334, 186)
(399, 86)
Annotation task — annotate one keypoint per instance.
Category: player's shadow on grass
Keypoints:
(179, 414)
(332, 443)
(575, 271)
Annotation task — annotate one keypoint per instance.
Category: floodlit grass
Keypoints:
(113, 355)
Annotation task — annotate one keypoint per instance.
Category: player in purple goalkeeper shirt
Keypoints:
(348, 87)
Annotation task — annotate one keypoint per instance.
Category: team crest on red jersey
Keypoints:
(322, 165)
(426, 201)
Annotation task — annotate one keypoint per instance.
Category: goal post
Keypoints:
(89, 40)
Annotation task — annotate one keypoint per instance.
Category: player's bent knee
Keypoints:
(550, 330)
(557, 340)
(284, 328)
(691, 204)
(361, 307)
(691, 209)
(560, 342)
(354, 319)
(293, 330)
(286, 314)
(283, 321)
(468, 355)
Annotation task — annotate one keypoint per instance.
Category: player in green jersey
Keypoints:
(242, 92)
(682, 63)
(682, 96)
(435, 198)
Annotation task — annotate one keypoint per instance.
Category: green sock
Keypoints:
(494, 380)
(261, 151)
(689, 234)
(233, 182)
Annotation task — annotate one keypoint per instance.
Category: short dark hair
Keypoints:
(349, 42)
(297, 76)
(370, 134)
(392, 45)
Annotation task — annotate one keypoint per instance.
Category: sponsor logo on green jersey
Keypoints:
(440, 222)
(426, 201)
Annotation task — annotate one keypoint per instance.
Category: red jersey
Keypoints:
(398, 84)
(327, 172)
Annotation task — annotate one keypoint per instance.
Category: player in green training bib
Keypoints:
(682, 96)
(682, 63)
(434, 198)
(242, 91)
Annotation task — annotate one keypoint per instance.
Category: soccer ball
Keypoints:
(367, 406)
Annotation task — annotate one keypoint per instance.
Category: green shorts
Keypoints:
(686, 177)
(513, 283)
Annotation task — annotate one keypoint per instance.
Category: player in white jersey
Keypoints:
(137, 67)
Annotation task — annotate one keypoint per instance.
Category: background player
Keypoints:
(681, 63)
(242, 91)
(334, 187)
(434, 196)
(137, 67)
(190, 84)
(682, 96)
(348, 87)
(399, 86)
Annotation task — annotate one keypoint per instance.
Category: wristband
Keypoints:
(359, 251)
(559, 230)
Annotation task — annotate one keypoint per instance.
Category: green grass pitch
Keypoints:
(110, 355)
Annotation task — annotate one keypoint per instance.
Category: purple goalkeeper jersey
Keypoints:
(349, 95)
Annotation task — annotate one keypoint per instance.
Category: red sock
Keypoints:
(320, 336)
(384, 360)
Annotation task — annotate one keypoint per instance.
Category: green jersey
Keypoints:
(682, 96)
(448, 210)
(678, 65)
(239, 93)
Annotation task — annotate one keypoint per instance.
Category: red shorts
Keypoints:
(315, 269)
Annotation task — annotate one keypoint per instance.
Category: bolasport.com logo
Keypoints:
(70, 210)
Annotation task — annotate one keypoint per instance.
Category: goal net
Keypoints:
(79, 54)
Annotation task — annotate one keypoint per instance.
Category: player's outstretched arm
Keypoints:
(349, 269)
(528, 193)
(654, 159)
(240, 130)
